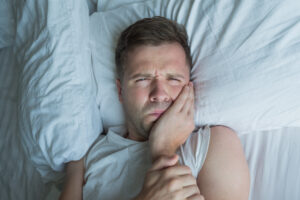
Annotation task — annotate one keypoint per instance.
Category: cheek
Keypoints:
(136, 97)
(175, 91)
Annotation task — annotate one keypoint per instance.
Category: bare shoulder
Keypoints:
(223, 134)
(225, 173)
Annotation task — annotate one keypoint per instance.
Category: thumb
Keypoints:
(164, 162)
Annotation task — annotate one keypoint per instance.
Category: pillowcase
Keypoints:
(104, 5)
(58, 116)
(245, 54)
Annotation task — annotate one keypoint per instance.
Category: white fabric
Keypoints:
(18, 178)
(92, 4)
(8, 17)
(58, 116)
(274, 158)
(7, 23)
(116, 166)
(245, 54)
(272, 155)
(104, 5)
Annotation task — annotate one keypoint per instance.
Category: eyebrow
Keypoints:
(150, 75)
(141, 75)
(175, 75)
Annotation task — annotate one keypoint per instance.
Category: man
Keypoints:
(153, 64)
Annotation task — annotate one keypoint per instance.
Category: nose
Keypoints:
(158, 92)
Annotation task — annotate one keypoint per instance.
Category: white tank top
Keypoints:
(116, 166)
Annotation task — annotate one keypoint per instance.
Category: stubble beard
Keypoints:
(136, 120)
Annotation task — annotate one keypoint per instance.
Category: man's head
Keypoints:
(153, 64)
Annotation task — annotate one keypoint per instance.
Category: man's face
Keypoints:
(152, 80)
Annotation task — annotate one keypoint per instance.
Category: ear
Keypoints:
(119, 87)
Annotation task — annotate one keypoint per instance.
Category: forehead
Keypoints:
(169, 57)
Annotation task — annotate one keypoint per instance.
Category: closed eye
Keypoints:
(174, 79)
(141, 79)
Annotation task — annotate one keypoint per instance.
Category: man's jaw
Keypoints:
(148, 119)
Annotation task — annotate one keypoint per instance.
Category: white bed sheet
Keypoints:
(273, 156)
(18, 178)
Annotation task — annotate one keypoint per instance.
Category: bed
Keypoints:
(57, 92)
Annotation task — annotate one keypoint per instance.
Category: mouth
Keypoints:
(157, 113)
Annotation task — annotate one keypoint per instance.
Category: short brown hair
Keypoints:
(150, 31)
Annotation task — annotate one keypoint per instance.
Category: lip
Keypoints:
(157, 113)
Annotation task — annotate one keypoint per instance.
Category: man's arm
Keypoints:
(225, 173)
(74, 181)
(166, 179)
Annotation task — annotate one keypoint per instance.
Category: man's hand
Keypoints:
(166, 180)
(174, 126)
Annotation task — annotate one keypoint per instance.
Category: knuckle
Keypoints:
(187, 169)
(165, 174)
(168, 172)
(198, 197)
(160, 160)
(172, 185)
(191, 177)
(196, 189)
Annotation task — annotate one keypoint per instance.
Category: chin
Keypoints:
(147, 128)
(148, 124)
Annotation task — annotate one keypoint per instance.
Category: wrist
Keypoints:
(163, 149)
(75, 170)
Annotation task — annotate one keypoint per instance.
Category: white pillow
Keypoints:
(58, 116)
(245, 54)
(104, 5)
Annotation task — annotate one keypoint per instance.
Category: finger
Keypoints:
(188, 192)
(181, 99)
(196, 197)
(192, 107)
(164, 162)
(189, 101)
(175, 171)
(185, 181)
(152, 178)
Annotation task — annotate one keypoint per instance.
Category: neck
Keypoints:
(132, 134)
